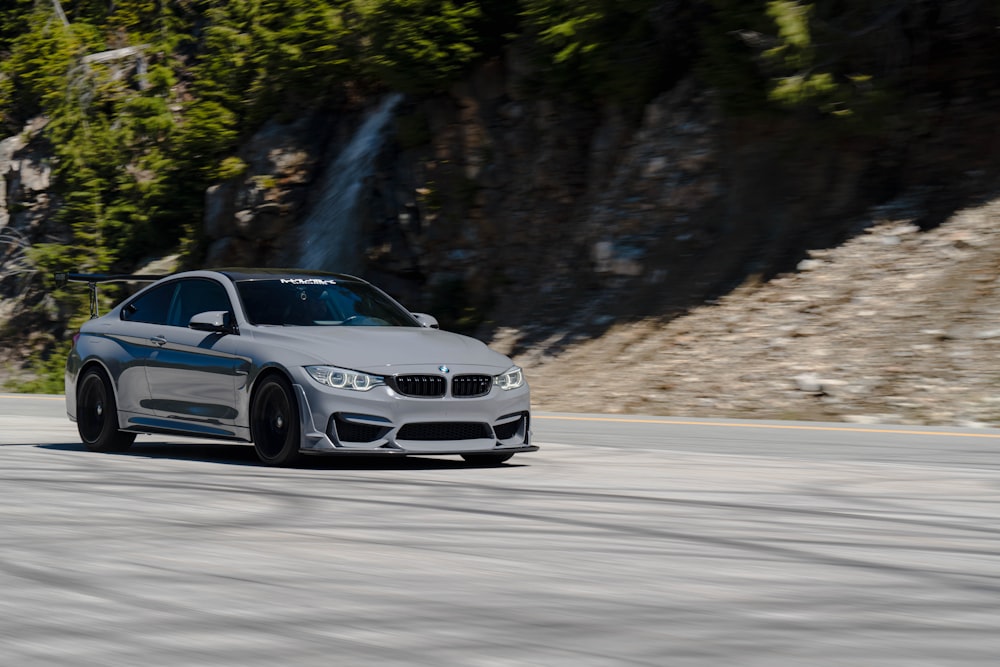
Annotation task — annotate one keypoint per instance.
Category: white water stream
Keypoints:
(331, 235)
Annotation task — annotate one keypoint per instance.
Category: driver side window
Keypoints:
(197, 295)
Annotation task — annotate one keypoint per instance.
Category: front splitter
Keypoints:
(399, 453)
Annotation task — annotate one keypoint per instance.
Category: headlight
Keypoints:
(511, 379)
(341, 378)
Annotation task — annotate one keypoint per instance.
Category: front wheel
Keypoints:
(97, 414)
(274, 423)
(486, 460)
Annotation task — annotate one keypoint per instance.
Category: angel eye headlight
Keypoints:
(511, 379)
(341, 378)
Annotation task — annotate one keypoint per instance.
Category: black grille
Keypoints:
(352, 432)
(444, 431)
(422, 386)
(469, 386)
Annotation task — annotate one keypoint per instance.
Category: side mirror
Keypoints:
(216, 321)
(426, 320)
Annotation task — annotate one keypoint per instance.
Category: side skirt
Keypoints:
(167, 427)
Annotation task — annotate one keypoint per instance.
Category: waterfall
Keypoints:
(330, 232)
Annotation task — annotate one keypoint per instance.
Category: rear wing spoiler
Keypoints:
(93, 279)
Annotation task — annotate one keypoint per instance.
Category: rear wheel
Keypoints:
(487, 459)
(274, 423)
(97, 414)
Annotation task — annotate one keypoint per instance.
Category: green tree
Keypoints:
(15, 20)
(420, 45)
(816, 59)
(42, 65)
(301, 54)
(608, 48)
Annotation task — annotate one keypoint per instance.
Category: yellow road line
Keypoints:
(34, 397)
(799, 427)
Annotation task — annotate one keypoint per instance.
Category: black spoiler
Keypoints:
(93, 279)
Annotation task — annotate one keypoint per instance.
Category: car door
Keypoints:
(192, 374)
(142, 319)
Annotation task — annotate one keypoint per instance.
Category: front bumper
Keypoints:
(384, 423)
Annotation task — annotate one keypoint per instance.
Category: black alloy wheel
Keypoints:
(97, 414)
(274, 422)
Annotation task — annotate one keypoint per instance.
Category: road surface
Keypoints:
(623, 541)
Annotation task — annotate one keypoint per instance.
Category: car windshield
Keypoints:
(317, 302)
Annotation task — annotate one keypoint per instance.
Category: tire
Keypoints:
(274, 422)
(97, 414)
(486, 460)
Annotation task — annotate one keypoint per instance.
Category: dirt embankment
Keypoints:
(897, 325)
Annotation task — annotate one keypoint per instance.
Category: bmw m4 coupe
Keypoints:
(295, 362)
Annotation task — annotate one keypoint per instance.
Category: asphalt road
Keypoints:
(624, 541)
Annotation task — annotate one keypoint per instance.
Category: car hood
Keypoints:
(372, 349)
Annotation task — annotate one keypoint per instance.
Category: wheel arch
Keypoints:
(85, 367)
(267, 372)
(263, 374)
(95, 362)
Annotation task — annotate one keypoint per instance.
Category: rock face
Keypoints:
(26, 208)
(25, 177)
(491, 206)
(250, 219)
(488, 205)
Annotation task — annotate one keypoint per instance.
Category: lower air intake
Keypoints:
(353, 432)
(444, 431)
(508, 430)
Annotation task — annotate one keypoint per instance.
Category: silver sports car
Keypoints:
(296, 363)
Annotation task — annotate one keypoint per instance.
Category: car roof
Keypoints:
(245, 274)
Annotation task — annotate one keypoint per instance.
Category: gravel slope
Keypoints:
(894, 326)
